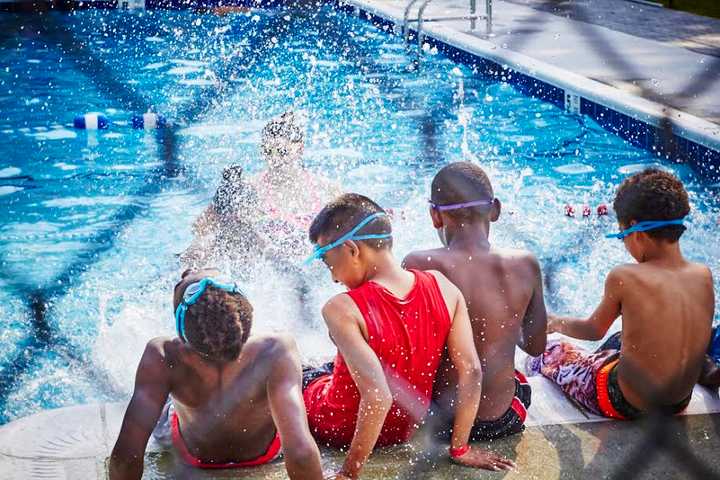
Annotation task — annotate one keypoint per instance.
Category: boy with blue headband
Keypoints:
(235, 400)
(391, 328)
(667, 306)
(503, 288)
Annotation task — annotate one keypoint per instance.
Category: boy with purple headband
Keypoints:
(667, 306)
(503, 289)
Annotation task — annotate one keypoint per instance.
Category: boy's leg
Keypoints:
(574, 370)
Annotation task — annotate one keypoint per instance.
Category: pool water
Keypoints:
(92, 222)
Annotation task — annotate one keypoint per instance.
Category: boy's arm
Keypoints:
(152, 386)
(464, 357)
(596, 326)
(342, 318)
(302, 456)
(534, 329)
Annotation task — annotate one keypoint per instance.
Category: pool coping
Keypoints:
(633, 118)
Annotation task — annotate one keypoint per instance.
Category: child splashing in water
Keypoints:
(268, 213)
(667, 306)
(222, 398)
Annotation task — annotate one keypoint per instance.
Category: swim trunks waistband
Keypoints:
(612, 402)
(274, 451)
(512, 421)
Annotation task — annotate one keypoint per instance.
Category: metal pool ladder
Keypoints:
(472, 16)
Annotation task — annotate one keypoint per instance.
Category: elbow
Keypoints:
(472, 375)
(536, 346)
(303, 458)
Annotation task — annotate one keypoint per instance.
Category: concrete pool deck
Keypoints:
(560, 442)
(640, 73)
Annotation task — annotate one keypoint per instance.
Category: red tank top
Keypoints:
(408, 335)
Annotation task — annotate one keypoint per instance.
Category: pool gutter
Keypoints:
(638, 120)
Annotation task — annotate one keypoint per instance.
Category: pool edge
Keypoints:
(633, 118)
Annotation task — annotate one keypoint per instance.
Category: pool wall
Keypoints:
(643, 123)
(693, 140)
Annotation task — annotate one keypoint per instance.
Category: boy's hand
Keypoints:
(480, 458)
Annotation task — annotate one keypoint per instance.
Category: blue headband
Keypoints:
(645, 226)
(320, 251)
(457, 206)
(192, 294)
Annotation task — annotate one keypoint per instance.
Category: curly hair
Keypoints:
(218, 324)
(653, 194)
(461, 182)
(342, 214)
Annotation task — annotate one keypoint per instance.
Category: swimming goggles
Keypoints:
(320, 251)
(645, 226)
(192, 294)
(457, 206)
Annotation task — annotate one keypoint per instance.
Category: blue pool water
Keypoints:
(91, 222)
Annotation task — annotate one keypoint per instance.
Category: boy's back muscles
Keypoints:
(227, 414)
(503, 291)
(667, 316)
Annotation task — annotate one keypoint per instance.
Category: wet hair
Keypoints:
(653, 194)
(218, 324)
(342, 214)
(228, 196)
(462, 182)
(285, 128)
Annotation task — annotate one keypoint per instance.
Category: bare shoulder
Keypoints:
(340, 307)
(424, 259)
(702, 270)
(517, 259)
(270, 345)
(158, 354)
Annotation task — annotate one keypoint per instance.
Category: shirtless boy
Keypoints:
(391, 329)
(667, 306)
(234, 400)
(503, 290)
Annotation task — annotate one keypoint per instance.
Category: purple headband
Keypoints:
(456, 206)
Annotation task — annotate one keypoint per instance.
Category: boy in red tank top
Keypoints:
(391, 329)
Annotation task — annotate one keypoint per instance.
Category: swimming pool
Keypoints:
(92, 222)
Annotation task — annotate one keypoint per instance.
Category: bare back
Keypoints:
(667, 317)
(501, 290)
(224, 411)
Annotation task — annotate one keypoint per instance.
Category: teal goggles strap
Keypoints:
(320, 251)
(645, 226)
(193, 292)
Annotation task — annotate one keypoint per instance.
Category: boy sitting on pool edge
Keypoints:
(503, 289)
(234, 399)
(667, 305)
(390, 329)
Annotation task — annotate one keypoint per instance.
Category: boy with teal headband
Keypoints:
(235, 400)
(503, 288)
(667, 306)
(390, 328)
